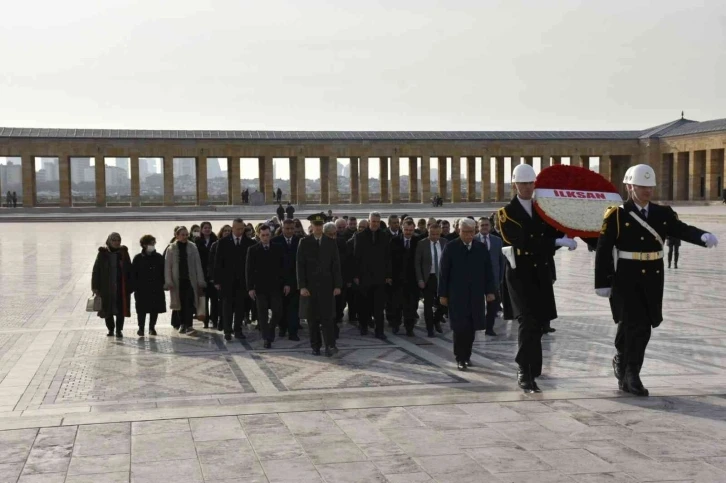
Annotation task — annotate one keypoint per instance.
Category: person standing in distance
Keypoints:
(320, 281)
(527, 292)
(634, 281)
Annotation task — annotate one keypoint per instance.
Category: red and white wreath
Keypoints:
(574, 199)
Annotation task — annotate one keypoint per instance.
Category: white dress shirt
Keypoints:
(526, 204)
(438, 254)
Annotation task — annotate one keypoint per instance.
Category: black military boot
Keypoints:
(524, 380)
(619, 369)
(632, 382)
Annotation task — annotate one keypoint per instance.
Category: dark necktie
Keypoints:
(236, 241)
(436, 260)
(406, 244)
(644, 213)
(288, 242)
(267, 247)
(373, 237)
(319, 241)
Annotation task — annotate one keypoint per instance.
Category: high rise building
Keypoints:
(50, 168)
(11, 176)
(184, 167)
(213, 169)
(147, 167)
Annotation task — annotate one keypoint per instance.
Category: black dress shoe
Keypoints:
(535, 387)
(431, 334)
(316, 352)
(618, 368)
(437, 327)
(461, 366)
(182, 330)
(409, 333)
(206, 325)
(334, 350)
(220, 327)
(110, 333)
(119, 334)
(633, 384)
(293, 337)
(268, 344)
(490, 332)
(524, 381)
(551, 329)
(227, 337)
(140, 332)
(468, 364)
(328, 352)
(381, 336)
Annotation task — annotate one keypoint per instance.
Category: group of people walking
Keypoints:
(380, 271)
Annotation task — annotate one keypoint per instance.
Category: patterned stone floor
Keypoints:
(76, 406)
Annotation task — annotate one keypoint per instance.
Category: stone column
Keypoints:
(202, 186)
(606, 167)
(443, 171)
(168, 180)
(27, 164)
(333, 180)
(528, 160)
(383, 178)
(302, 193)
(324, 180)
(64, 180)
(265, 176)
(364, 193)
(425, 178)
(234, 188)
(135, 180)
(499, 178)
(471, 194)
(545, 162)
(292, 166)
(354, 181)
(456, 179)
(413, 195)
(696, 172)
(100, 172)
(486, 178)
(577, 160)
(680, 175)
(395, 179)
(714, 170)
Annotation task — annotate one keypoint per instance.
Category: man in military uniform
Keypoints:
(634, 280)
(319, 280)
(527, 292)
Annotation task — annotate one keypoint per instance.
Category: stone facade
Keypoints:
(689, 167)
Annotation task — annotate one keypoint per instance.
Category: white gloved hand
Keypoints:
(709, 239)
(566, 241)
(603, 292)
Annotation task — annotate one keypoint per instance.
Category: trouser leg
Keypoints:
(262, 302)
(213, 303)
(152, 320)
(293, 314)
(491, 315)
(409, 297)
(110, 324)
(315, 339)
(188, 305)
(676, 251)
(119, 323)
(327, 324)
(365, 308)
(631, 340)
(429, 302)
(529, 353)
(141, 318)
(670, 254)
(379, 302)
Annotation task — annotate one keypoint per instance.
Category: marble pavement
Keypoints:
(76, 406)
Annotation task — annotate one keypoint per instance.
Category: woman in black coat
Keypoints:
(147, 274)
(204, 243)
(111, 281)
(216, 300)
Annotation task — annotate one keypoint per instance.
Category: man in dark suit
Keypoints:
(633, 281)
(466, 274)
(280, 212)
(372, 273)
(331, 231)
(494, 245)
(289, 211)
(427, 266)
(267, 282)
(229, 278)
(290, 320)
(394, 226)
(405, 290)
(319, 279)
(527, 292)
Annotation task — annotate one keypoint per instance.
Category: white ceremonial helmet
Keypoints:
(523, 173)
(640, 175)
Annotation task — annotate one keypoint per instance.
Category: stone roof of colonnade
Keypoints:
(679, 127)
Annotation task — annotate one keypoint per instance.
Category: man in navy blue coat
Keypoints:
(465, 276)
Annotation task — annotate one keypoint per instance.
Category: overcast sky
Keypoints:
(361, 65)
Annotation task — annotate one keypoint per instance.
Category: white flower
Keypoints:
(576, 210)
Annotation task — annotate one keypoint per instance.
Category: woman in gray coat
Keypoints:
(184, 278)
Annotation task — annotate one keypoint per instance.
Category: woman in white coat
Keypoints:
(184, 278)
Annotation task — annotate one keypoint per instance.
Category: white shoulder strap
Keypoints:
(645, 225)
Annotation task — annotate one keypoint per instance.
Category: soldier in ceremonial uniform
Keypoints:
(527, 292)
(319, 279)
(634, 279)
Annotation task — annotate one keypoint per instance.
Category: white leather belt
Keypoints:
(642, 256)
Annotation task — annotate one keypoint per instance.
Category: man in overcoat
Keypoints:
(527, 292)
(320, 281)
(467, 283)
